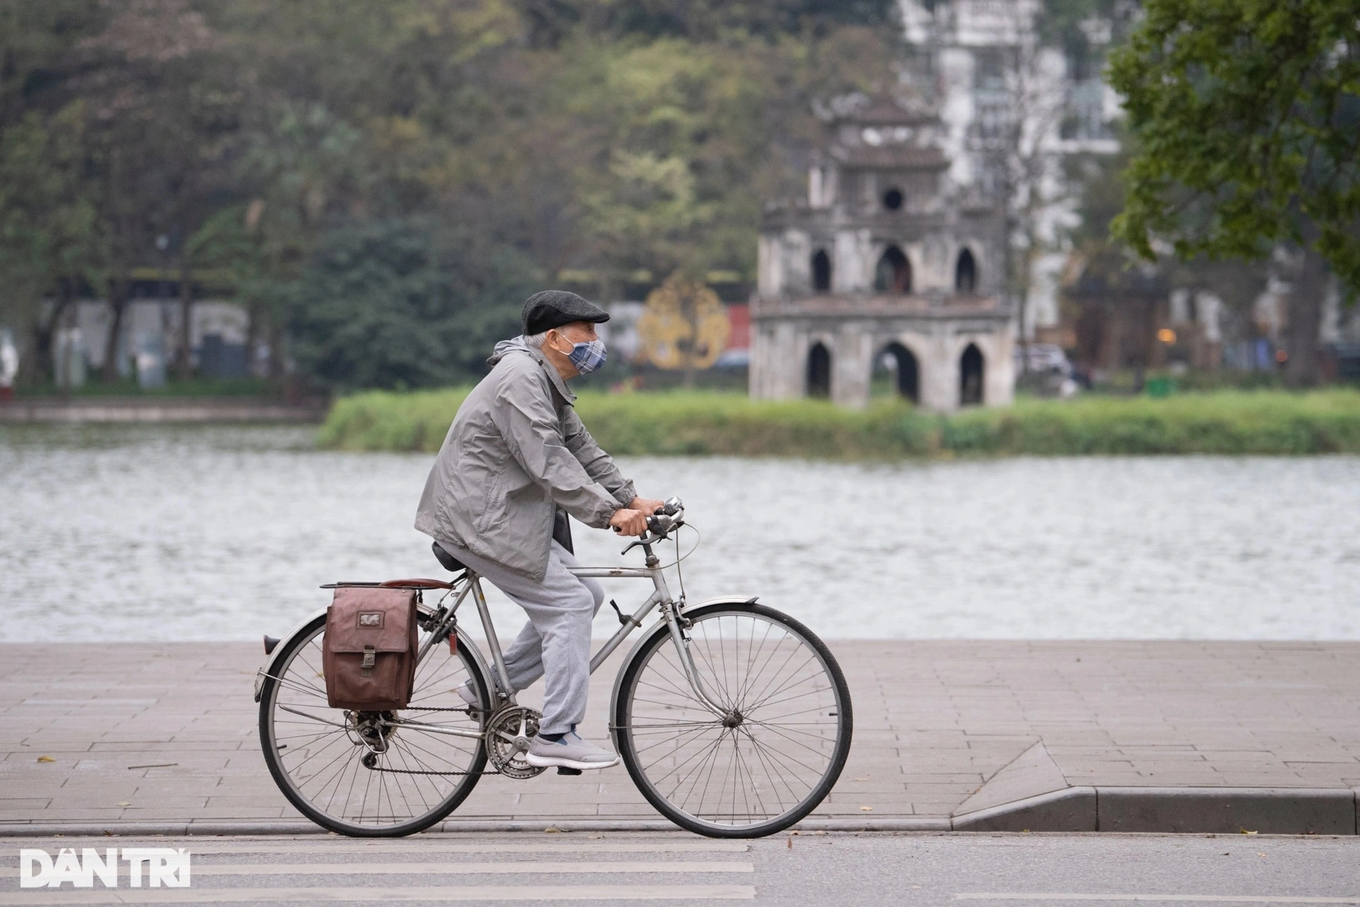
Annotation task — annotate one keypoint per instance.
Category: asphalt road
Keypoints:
(825, 870)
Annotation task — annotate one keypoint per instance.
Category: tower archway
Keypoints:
(972, 371)
(965, 273)
(896, 371)
(893, 272)
(819, 371)
(821, 271)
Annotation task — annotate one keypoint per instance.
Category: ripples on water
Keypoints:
(137, 533)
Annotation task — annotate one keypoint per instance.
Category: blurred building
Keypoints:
(885, 257)
(1015, 111)
(147, 340)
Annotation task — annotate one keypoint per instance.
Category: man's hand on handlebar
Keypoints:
(627, 521)
(647, 506)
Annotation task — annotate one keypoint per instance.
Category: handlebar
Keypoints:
(670, 518)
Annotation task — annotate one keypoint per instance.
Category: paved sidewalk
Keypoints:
(1133, 736)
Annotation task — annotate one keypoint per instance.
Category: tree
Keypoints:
(35, 46)
(255, 136)
(48, 232)
(1016, 143)
(550, 21)
(689, 140)
(303, 168)
(155, 118)
(1021, 109)
(49, 237)
(406, 302)
(1110, 265)
(1247, 116)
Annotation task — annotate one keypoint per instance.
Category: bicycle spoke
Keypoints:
(316, 718)
(770, 757)
(319, 753)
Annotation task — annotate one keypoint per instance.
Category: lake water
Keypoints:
(206, 533)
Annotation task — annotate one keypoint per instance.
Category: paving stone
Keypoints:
(935, 721)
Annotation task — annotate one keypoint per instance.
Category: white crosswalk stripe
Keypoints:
(388, 895)
(425, 869)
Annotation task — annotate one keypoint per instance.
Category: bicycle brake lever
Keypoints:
(644, 540)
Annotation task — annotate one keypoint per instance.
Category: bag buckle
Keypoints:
(370, 656)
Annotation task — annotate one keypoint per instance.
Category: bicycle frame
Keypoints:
(660, 596)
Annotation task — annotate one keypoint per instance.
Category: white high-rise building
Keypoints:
(1016, 110)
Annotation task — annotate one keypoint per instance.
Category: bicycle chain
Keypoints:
(412, 771)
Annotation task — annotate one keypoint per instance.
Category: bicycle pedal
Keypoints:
(564, 770)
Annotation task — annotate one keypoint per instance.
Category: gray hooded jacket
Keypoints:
(515, 450)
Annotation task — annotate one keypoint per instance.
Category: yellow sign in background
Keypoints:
(684, 325)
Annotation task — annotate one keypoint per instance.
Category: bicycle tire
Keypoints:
(303, 651)
(635, 729)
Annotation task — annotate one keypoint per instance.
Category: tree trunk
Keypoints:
(40, 364)
(184, 368)
(120, 289)
(276, 354)
(252, 336)
(1305, 318)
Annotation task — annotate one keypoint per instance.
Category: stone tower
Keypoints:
(883, 261)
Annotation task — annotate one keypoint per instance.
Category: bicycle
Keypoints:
(733, 719)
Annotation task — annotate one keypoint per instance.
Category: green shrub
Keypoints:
(699, 422)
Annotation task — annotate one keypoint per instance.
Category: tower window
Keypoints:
(965, 273)
(892, 199)
(893, 273)
(819, 371)
(971, 371)
(821, 271)
(896, 370)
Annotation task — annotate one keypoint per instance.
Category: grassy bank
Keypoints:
(1263, 422)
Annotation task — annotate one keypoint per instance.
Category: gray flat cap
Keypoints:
(554, 308)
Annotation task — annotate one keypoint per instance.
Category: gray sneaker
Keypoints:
(569, 752)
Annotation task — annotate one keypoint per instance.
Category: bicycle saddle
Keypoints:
(449, 562)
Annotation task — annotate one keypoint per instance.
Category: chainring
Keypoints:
(507, 740)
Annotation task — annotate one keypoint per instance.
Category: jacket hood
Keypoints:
(514, 344)
(517, 345)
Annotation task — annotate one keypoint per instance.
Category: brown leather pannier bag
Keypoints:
(368, 653)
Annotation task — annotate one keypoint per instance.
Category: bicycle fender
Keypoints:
(661, 627)
(476, 655)
(268, 667)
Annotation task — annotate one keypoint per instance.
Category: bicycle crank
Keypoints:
(507, 740)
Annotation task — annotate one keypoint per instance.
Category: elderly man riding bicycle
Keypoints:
(517, 452)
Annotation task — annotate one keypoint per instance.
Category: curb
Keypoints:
(1176, 810)
(207, 828)
(1149, 810)
(124, 410)
(1071, 809)
(1287, 811)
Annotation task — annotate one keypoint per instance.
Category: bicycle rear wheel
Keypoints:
(320, 761)
(776, 749)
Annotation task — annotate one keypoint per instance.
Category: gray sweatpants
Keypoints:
(555, 643)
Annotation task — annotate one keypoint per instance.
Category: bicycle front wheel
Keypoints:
(372, 774)
(770, 752)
